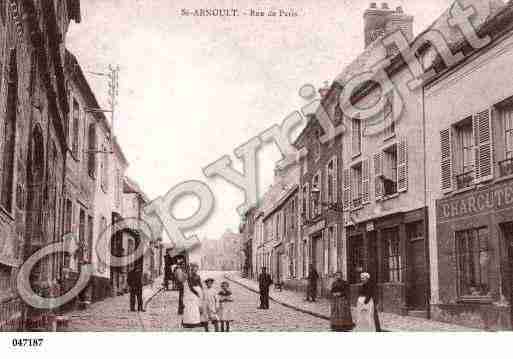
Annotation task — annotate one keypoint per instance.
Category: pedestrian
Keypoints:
(210, 305)
(225, 307)
(264, 282)
(366, 313)
(134, 281)
(311, 290)
(179, 280)
(168, 270)
(341, 319)
(192, 300)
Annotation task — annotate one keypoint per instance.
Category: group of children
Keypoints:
(217, 307)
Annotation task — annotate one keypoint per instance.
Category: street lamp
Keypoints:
(316, 195)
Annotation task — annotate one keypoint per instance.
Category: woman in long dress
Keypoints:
(366, 313)
(341, 318)
(192, 300)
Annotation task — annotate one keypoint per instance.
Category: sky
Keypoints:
(192, 89)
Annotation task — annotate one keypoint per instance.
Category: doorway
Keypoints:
(317, 253)
(507, 232)
(417, 283)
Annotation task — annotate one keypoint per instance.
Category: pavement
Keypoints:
(321, 309)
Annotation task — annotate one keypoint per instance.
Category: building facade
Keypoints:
(469, 115)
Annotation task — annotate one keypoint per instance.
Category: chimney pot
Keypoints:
(399, 9)
(373, 5)
(384, 6)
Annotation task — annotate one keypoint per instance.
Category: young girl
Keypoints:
(210, 305)
(225, 307)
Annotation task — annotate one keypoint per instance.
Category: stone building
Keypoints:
(223, 254)
(469, 121)
(33, 144)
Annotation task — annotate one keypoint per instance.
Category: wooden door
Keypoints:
(418, 275)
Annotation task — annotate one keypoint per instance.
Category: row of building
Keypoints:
(223, 254)
(424, 203)
(62, 169)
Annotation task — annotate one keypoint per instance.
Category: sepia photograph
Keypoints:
(247, 167)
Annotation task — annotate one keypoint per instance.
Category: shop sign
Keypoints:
(476, 202)
(319, 226)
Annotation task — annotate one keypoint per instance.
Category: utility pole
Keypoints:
(113, 92)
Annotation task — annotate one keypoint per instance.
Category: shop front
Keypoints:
(392, 249)
(475, 257)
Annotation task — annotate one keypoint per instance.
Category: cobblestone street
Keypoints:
(112, 314)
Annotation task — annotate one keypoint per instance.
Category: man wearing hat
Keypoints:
(264, 282)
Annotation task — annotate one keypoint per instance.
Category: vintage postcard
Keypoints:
(255, 166)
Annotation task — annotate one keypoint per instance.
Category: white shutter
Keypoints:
(346, 192)
(335, 180)
(402, 166)
(365, 181)
(378, 173)
(484, 157)
(446, 160)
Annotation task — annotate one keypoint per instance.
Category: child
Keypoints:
(210, 305)
(225, 307)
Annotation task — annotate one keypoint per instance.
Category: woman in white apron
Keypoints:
(366, 314)
(192, 300)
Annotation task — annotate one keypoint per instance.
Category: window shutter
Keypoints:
(402, 166)
(346, 192)
(446, 160)
(483, 134)
(335, 180)
(326, 241)
(326, 183)
(334, 254)
(378, 173)
(366, 181)
(308, 204)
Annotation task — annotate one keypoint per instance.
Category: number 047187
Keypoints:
(27, 342)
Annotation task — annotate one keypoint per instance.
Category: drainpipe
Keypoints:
(426, 212)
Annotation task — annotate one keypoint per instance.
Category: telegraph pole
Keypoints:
(113, 76)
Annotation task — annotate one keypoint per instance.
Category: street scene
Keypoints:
(173, 168)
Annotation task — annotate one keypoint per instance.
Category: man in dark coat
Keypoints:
(264, 282)
(168, 271)
(135, 283)
(311, 292)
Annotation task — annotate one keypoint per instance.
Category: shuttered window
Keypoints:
(76, 129)
(346, 192)
(388, 115)
(446, 159)
(316, 208)
(507, 120)
(356, 186)
(378, 174)
(365, 181)
(331, 181)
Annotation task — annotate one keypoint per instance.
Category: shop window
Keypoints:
(356, 258)
(392, 260)
(473, 258)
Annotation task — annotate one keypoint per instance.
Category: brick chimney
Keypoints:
(383, 20)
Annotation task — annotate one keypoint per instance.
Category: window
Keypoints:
(388, 113)
(305, 258)
(305, 164)
(277, 223)
(331, 181)
(392, 261)
(315, 201)
(304, 203)
(473, 261)
(356, 258)
(91, 158)
(464, 153)
(292, 214)
(390, 171)
(356, 136)
(292, 260)
(105, 169)
(506, 165)
(76, 128)
(356, 185)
